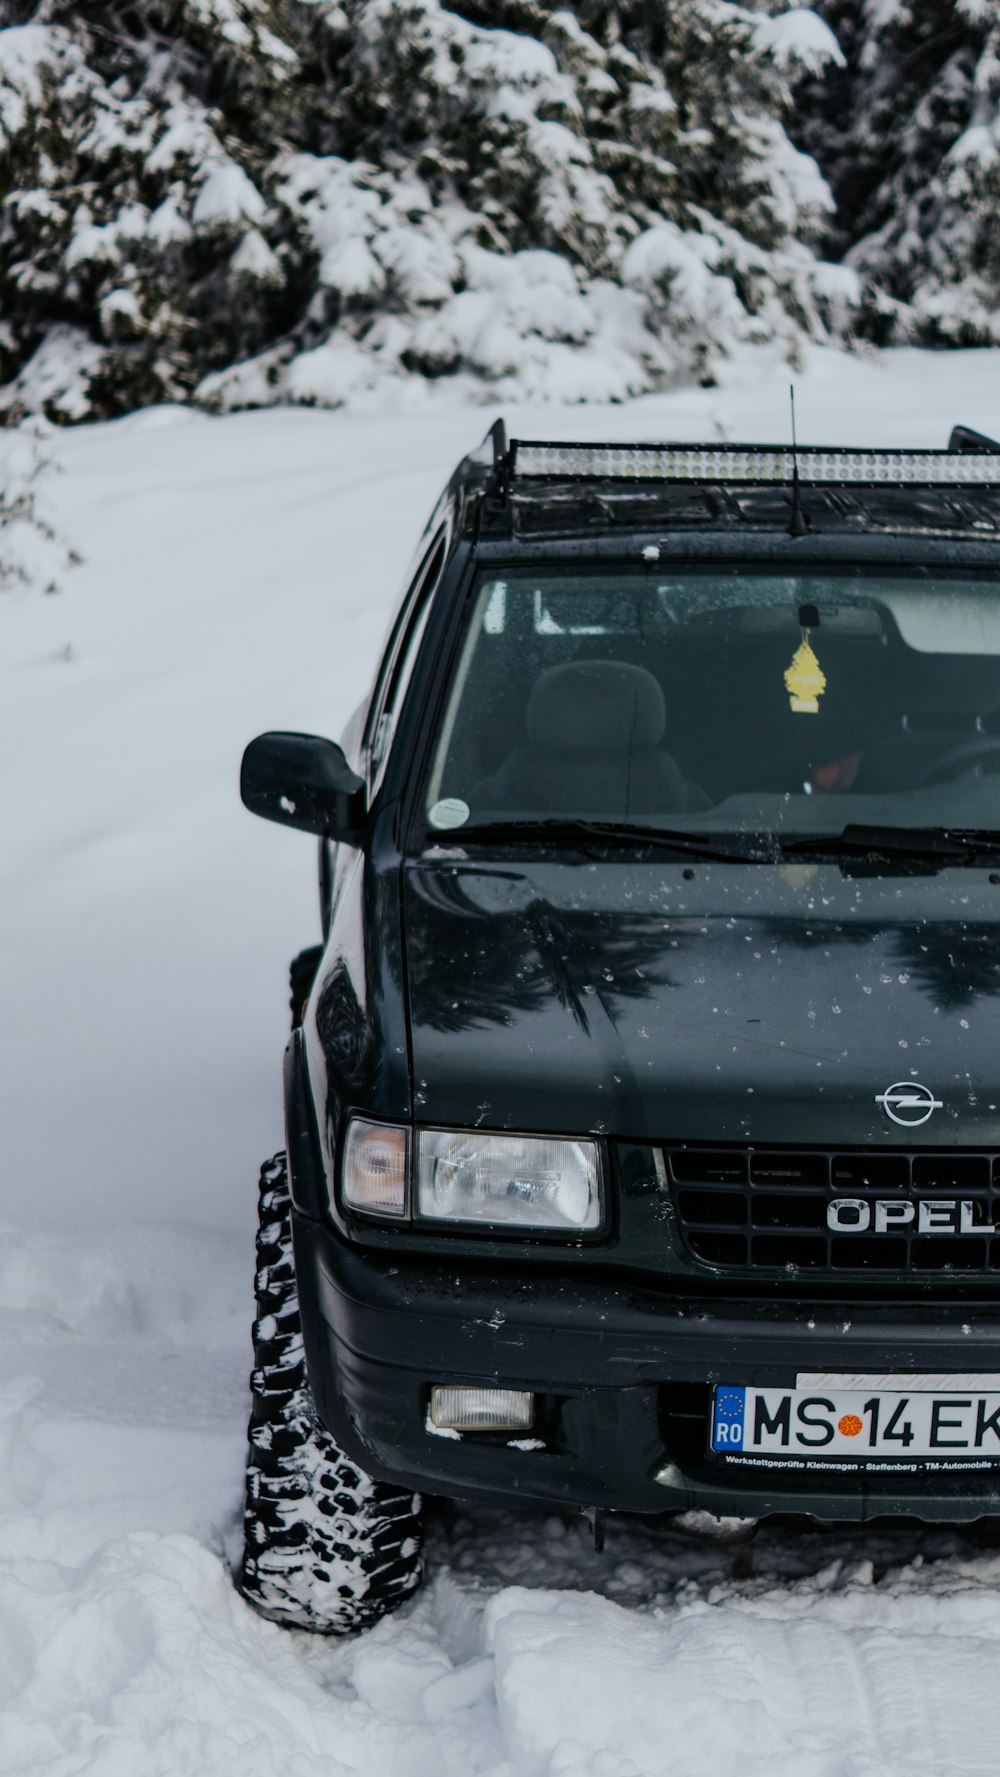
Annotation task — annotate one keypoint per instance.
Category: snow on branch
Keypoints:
(799, 41)
(32, 554)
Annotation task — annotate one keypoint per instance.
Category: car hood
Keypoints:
(724, 1002)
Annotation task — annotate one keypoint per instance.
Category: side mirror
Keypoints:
(304, 782)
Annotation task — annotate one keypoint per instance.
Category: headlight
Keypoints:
(521, 1181)
(376, 1168)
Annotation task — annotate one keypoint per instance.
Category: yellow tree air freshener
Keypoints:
(805, 680)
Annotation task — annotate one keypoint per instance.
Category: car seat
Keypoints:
(594, 731)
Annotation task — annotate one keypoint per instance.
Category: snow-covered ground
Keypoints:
(237, 575)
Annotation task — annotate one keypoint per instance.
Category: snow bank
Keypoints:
(737, 1679)
(143, 1658)
(238, 574)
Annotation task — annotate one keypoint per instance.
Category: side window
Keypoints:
(399, 658)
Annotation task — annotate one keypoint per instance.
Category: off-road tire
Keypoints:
(326, 1547)
(301, 975)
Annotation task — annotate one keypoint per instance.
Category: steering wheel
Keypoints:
(959, 759)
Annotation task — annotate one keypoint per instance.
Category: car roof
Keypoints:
(523, 490)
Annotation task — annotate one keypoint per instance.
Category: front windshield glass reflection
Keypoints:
(724, 702)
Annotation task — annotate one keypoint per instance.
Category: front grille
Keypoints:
(743, 1209)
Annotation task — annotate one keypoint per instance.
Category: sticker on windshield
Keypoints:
(451, 811)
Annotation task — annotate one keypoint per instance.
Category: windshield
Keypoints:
(724, 701)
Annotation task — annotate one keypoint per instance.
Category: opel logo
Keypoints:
(908, 1103)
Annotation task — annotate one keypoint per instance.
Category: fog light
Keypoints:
(481, 1409)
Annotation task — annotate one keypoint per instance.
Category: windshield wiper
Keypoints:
(941, 845)
(740, 848)
(872, 844)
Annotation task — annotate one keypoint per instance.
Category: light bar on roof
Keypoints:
(754, 464)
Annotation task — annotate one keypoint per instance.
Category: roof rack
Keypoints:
(965, 439)
(963, 465)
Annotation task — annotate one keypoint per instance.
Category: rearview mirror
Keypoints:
(303, 781)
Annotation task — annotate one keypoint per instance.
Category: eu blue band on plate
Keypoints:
(727, 1427)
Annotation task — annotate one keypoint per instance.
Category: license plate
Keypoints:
(821, 1425)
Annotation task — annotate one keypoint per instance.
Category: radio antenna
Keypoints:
(797, 525)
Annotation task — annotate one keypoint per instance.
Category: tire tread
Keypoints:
(326, 1547)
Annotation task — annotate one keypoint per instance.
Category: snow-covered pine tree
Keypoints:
(251, 200)
(129, 250)
(909, 136)
(32, 553)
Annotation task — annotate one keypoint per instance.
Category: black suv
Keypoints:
(643, 1101)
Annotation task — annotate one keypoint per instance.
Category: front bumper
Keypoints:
(623, 1377)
